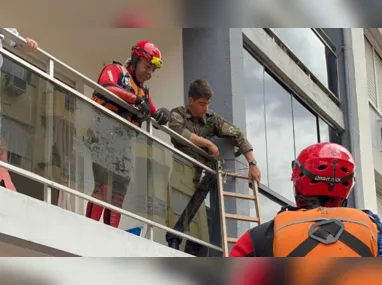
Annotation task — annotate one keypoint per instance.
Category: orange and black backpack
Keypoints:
(317, 232)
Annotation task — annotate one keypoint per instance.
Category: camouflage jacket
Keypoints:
(211, 125)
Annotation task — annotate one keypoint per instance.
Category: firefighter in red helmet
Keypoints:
(321, 225)
(113, 155)
(126, 81)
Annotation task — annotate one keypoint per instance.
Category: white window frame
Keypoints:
(377, 51)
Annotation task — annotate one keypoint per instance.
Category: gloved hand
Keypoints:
(162, 115)
(143, 108)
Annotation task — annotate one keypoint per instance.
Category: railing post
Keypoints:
(149, 127)
(49, 125)
(47, 194)
(150, 232)
(150, 175)
(79, 206)
(223, 226)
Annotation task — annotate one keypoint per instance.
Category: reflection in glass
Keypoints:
(22, 143)
(305, 44)
(288, 127)
(57, 135)
(269, 209)
(280, 141)
(254, 97)
(324, 131)
(305, 126)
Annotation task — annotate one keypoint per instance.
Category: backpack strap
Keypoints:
(262, 240)
(124, 78)
(327, 232)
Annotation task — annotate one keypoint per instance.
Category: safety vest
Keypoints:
(125, 82)
(318, 232)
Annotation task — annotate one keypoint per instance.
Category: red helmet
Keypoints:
(324, 171)
(149, 51)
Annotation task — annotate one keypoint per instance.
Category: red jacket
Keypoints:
(243, 247)
(109, 78)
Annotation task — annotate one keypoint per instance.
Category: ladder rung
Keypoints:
(241, 218)
(238, 195)
(232, 240)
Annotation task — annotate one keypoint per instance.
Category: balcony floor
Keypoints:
(30, 227)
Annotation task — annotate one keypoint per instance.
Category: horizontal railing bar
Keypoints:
(102, 90)
(105, 110)
(181, 139)
(52, 184)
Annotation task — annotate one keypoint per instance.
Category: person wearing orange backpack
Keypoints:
(321, 225)
(112, 145)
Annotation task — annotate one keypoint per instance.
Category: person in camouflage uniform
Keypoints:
(198, 124)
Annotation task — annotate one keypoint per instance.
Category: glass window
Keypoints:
(305, 126)
(279, 136)
(324, 131)
(268, 208)
(305, 44)
(255, 115)
(278, 125)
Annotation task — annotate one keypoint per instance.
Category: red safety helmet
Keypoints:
(324, 171)
(147, 50)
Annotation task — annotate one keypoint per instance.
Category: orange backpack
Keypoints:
(317, 232)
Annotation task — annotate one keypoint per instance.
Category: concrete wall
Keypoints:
(47, 229)
(88, 50)
(337, 38)
(359, 118)
(216, 56)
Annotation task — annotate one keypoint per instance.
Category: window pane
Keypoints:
(254, 98)
(279, 134)
(268, 208)
(324, 131)
(305, 126)
(305, 44)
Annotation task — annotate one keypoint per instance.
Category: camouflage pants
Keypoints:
(205, 183)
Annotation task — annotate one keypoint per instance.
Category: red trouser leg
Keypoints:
(113, 218)
(94, 211)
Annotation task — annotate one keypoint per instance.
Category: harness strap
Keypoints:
(262, 240)
(330, 231)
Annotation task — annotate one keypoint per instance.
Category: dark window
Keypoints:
(279, 125)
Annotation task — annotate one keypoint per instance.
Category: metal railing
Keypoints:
(52, 63)
(49, 184)
(49, 75)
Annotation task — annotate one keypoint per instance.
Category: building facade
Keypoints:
(285, 88)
